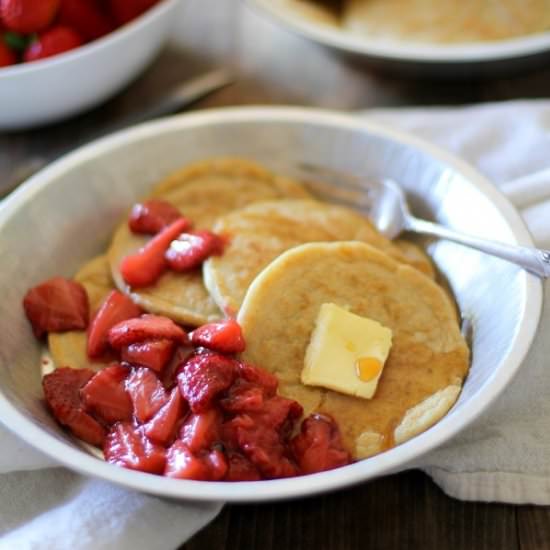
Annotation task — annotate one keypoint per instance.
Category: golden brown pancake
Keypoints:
(260, 232)
(68, 349)
(446, 21)
(428, 356)
(202, 191)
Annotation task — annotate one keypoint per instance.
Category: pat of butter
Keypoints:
(346, 352)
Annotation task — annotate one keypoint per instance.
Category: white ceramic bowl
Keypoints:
(483, 59)
(33, 94)
(65, 215)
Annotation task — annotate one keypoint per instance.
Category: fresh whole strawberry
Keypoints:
(146, 327)
(115, 308)
(105, 395)
(222, 336)
(7, 57)
(125, 10)
(145, 266)
(152, 216)
(190, 250)
(127, 446)
(51, 42)
(28, 16)
(57, 305)
(162, 427)
(154, 354)
(85, 17)
(62, 394)
(146, 392)
(203, 377)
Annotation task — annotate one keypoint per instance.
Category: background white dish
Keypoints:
(37, 93)
(65, 215)
(483, 59)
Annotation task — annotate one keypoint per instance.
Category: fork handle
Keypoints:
(534, 260)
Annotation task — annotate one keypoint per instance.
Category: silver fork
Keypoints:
(384, 202)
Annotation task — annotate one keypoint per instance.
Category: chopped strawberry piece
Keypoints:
(125, 10)
(57, 305)
(127, 446)
(243, 397)
(262, 436)
(85, 17)
(62, 393)
(162, 427)
(190, 250)
(203, 377)
(154, 354)
(222, 336)
(52, 42)
(260, 377)
(146, 392)
(181, 463)
(117, 307)
(152, 216)
(318, 446)
(144, 328)
(240, 468)
(145, 266)
(105, 395)
(201, 431)
(27, 16)
(171, 370)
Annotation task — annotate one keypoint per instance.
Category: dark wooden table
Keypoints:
(273, 67)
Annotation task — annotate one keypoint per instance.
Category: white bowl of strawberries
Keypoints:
(60, 57)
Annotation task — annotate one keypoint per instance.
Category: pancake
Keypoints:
(206, 190)
(428, 360)
(447, 21)
(68, 349)
(262, 231)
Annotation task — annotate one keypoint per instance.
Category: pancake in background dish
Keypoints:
(69, 348)
(202, 191)
(428, 360)
(446, 21)
(260, 232)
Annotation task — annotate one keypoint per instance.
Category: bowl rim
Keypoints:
(396, 459)
(473, 52)
(115, 36)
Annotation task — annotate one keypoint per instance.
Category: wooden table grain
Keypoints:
(273, 66)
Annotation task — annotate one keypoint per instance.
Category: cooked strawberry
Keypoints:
(7, 56)
(144, 328)
(62, 394)
(145, 266)
(127, 446)
(27, 16)
(223, 336)
(239, 468)
(181, 463)
(203, 377)
(85, 17)
(171, 370)
(152, 216)
(52, 42)
(243, 396)
(201, 431)
(154, 354)
(57, 305)
(117, 307)
(163, 426)
(190, 250)
(125, 10)
(146, 392)
(318, 446)
(260, 377)
(105, 395)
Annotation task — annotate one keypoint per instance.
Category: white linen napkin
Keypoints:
(503, 457)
